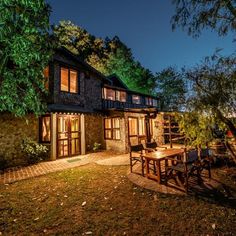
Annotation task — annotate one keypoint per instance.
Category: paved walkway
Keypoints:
(101, 158)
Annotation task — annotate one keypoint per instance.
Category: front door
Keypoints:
(137, 130)
(68, 135)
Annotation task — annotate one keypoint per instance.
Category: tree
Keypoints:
(172, 88)
(196, 15)
(77, 40)
(25, 47)
(109, 56)
(214, 84)
(119, 60)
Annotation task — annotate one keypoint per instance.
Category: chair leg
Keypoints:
(142, 165)
(186, 183)
(131, 169)
(209, 170)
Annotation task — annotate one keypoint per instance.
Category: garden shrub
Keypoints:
(96, 146)
(34, 151)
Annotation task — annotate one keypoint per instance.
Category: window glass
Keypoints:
(117, 95)
(108, 134)
(73, 81)
(116, 122)
(107, 123)
(123, 96)
(116, 134)
(141, 126)
(133, 126)
(64, 79)
(45, 129)
(136, 99)
(110, 94)
(154, 102)
(148, 101)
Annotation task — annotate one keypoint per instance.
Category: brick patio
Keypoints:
(20, 173)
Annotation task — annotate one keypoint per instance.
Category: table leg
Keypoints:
(147, 167)
(158, 169)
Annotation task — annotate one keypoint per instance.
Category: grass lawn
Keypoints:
(100, 200)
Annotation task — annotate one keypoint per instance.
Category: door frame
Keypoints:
(69, 138)
(139, 137)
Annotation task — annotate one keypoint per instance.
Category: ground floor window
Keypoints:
(112, 128)
(45, 129)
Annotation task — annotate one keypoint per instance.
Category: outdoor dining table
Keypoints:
(157, 157)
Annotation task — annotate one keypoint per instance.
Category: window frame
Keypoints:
(133, 99)
(112, 129)
(41, 128)
(77, 79)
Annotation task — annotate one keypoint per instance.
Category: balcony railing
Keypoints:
(109, 104)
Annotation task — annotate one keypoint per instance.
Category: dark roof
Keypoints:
(117, 82)
(67, 108)
(82, 62)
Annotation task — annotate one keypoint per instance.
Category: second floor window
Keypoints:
(114, 95)
(109, 94)
(69, 80)
(149, 101)
(154, 102)
(136, 99)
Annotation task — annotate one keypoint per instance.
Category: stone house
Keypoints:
(84, 108)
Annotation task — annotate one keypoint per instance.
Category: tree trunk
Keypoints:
(227, 121)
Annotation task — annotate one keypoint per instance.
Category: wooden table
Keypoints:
(157, 157)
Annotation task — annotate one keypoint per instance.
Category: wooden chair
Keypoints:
(205, 161)
(136, 155)
(188, 166)
(153, 146)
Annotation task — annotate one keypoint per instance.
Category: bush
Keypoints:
(96, 146)
(3, 162)
(34, 151)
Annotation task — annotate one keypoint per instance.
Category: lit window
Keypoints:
(118, 95)
(136, 99)
(109, 94)
(73, 81)
(45, 129)
(123, 96)
(69, 80)
(148, 101)
(46, 77)
(141, 126)
(112, 128)
(154, 102)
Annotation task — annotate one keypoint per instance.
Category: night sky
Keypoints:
(144, 26)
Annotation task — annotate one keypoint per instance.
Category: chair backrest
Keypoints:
(192, 156)
(205, 153)
(151, 145)
(137, 148)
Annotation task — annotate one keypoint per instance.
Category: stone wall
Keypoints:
(158, 129)
(94, 131)
(12, 131)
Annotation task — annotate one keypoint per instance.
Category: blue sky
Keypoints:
(144, 26)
